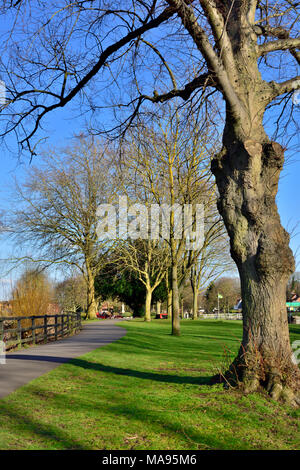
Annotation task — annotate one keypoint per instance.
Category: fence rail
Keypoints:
(16, 331)
(223, 316)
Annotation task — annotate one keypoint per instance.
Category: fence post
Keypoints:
(64, 325)
(33, 329)
(1, 329)
(45, 328)
(55, 327)
(2, 352)
(19, 332)
(61, 321)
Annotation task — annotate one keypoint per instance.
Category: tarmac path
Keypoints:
(24, 365)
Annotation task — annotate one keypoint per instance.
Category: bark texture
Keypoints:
(247, 173)
(148, 304)
(175, 302)
(170, 296)
(158, 308)
(91, 302)
(195, 301)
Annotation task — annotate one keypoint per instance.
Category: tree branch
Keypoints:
(285, 87)
(154, 23)
(296, 55)
(280, 45)
(202, 81)
(252, 10)
(218, 26)
(214, 63)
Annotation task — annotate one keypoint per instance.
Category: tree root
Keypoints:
(282, 383)
(276, 391)
(251, 385)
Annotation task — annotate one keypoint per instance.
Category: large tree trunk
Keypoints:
(148, 304)
(91, 302)
(195, 304)
(158, 308)
(247, 172)
(195, 295)
(169, 301)
(175, 302)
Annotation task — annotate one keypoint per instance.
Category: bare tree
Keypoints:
(212, 47)
(168, 161)
(71, 294)
(32, 294)
(213, 261)
(223, 293)
(57, 211)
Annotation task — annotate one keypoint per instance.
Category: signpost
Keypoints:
(292, 305)
(219, 297)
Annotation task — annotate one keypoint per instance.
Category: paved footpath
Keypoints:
(24, 365)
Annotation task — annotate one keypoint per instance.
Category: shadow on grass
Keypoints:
(294, 329)
(166, 378)
(46, 431)
(49, 436)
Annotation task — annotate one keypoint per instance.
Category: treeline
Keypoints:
(137, 219)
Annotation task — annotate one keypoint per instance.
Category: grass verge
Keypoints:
(148, 390)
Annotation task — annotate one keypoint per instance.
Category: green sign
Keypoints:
(293, 304)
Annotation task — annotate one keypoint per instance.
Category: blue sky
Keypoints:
(61, 127)
(288, 201)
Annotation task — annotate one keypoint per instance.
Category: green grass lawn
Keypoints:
(148, 390)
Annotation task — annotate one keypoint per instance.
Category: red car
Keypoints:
(102, 315)
(161, 316)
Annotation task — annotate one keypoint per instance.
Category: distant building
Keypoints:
(292, 305)
(294, 297)
(53, 309)
(238, 305)
(5, 308)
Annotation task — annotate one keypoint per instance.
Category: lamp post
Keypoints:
(219, 297)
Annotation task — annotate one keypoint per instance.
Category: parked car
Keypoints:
(102, 315)
(161, 316)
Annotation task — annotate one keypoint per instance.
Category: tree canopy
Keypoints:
(136, 53)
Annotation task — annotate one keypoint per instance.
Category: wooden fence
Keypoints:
(17, 331)
(223, 316)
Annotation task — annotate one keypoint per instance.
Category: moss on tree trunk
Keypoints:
(247, 173)
(175, 302)
(148, 304)
(91, 302)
